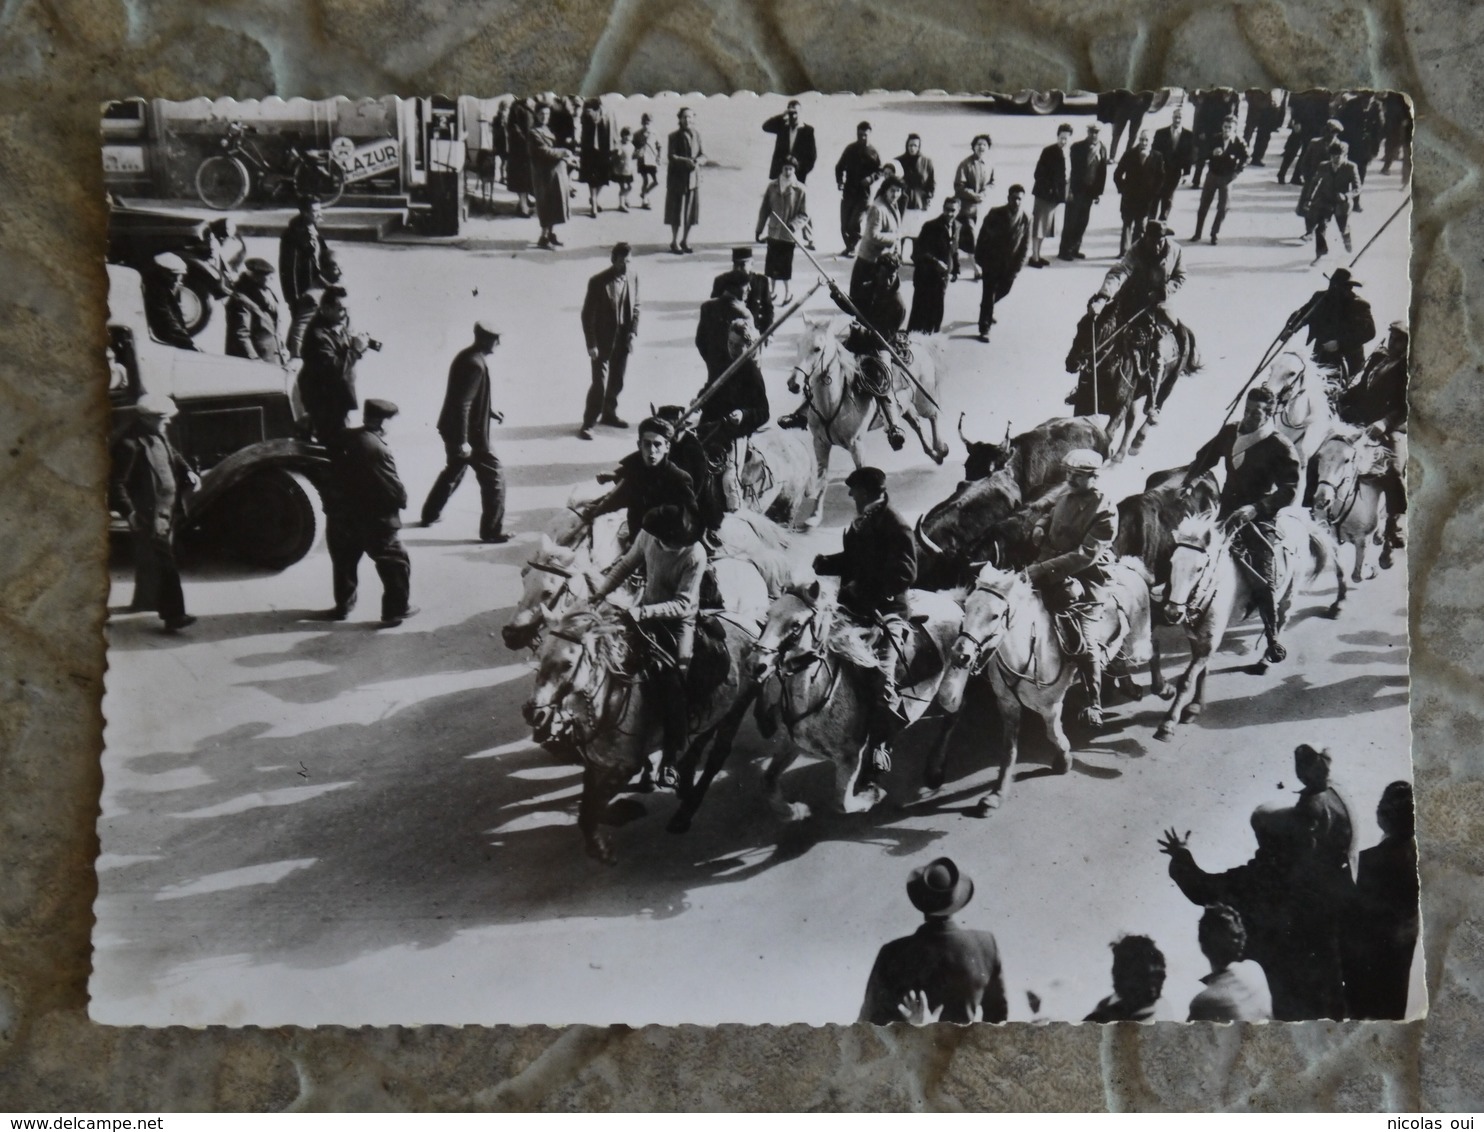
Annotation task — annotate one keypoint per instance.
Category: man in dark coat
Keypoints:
(1381, 933)
(932, 264)
(1139, 180)
(363, 515)
(1365, 129)
(1228, 157)
(855, 172)
(1290, 933)
(791, 138)
(1262, 477)
(1123, 110)
(304, 258)
(1339, 321)
(735, 410)
(327, 381)
(1315, 156)
(648, 478)
(464, 425)
(876, 566)
(610, 323)
(150, 479)
(1307, 113)
(1004, 241)
(1212, 107)
(759, 292)
(252, 315)
(1176, 148)
(941, 972)
(1049, 190)
(1265, 110)
(162, 282)
(1377, 402)
(714, 327)
(1331, 193)
(1085, 188)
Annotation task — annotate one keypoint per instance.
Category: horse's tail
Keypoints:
(1190, 357)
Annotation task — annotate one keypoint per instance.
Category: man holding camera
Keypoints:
(464, 425)
(327, 382)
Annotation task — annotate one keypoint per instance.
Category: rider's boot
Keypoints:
(799, 418)
(1267, 610)
(894, 435)
(675, 718)
(1396, 530)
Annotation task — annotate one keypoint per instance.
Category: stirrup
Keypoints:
(799, 418)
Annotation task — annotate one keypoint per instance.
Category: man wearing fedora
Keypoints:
(150, 481)
(1340, 324)
(363, 516)
(955, 969)
(252, 315)
(464, 425)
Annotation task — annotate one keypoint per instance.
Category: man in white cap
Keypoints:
(162, 301)
(252, 315)
(150, 478)
(941, 971)
(464, 425)
(1075, 548)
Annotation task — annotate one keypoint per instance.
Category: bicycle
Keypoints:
(224, 180)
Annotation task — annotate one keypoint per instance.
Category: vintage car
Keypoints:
(136, 235)
(238, 425)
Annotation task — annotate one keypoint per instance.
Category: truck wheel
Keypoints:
(271, 519)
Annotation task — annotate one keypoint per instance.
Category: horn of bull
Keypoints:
(1007, 432)
(927, 542)
(961, 435)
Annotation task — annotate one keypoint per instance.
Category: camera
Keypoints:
(373, 344)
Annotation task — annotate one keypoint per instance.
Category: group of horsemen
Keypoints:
(683, 479)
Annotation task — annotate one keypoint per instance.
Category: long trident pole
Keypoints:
(844, 300)
(1286, 334)
(726, 374)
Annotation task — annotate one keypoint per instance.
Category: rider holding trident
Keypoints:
(1075, 544)
(1140, 283)
(876, 567)
(1262, 477)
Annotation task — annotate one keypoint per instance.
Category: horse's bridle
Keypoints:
(568, 688)
(788, 666)
(561, 572)
(981, 654)
(1203, 590)
(1350, 481)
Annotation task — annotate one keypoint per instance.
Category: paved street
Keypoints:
(307, 822)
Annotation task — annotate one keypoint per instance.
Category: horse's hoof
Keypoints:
(1333, 612)
(933, 779)
(1166, 732)
(990, 802)
(1386, 562)
(1164, 691)
(1060, 764)
(1191, 714)
(679, 823)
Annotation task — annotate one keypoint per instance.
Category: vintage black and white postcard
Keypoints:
(742, 559)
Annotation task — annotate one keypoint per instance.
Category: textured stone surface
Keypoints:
(59, 58)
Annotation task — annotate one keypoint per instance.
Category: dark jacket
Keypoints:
(366, 481)
(932, 251)
(1339, 315)
(877, 564)
(1212, 107)
(759, 296)
(744, 391)
(162, 309)
(1330, 185)
(304, 260)
(252, 324)
(858, 164)
(1382, 935)
(465, 418)
(956, 968)
(1050, 180)
(1379, 394)
(1139, 179)
(1079, 535)
(149, 479)
(803, 150)
(1267, 477)
(610, 322)
(1176, 154)
(1089, 169)
(642, 488)
(327, 381)
(1004, 241)
(919, 180)
(713, 331)
(1228, 158)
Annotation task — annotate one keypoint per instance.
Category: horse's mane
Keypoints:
(602, 628)
(846, 640)
(1200, 527)
(554, 554)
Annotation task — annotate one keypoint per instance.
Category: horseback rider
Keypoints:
(714, 328)
(876, 567)
(673, 561)
(876, 300)
(1377, 402)
(1140, 283)
(1339, 322)
(647, 478)
(1262, 477)
(735, 411)
(1074, 550)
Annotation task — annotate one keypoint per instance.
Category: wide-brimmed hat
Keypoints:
(1342, 278)
(939, 889)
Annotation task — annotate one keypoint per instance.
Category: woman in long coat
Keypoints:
(518, 162)
(549, 178)
(783, 198)
(595, 160)
(683, 182)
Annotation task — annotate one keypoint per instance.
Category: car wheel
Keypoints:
(270, 521)
(1046, 102)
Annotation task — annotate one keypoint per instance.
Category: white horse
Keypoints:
(1302, 410)
(1010, 637)
(842, 411)
(1348, 497)
(1209, 590)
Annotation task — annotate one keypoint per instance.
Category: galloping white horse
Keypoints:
(1348, 496)
(841, 412)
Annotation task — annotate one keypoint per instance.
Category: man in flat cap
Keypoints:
(363, 515)
(758, 295)
(1262, 478)
(162, 283)
(714, 325)
(610, 323)
(877, 565)
(464, 425)
(1088, 179)
(1074, 551)
(252, 315)
(941, 972)
(855, 173)
(1331, 193)
(327, 381)
(150, 482)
